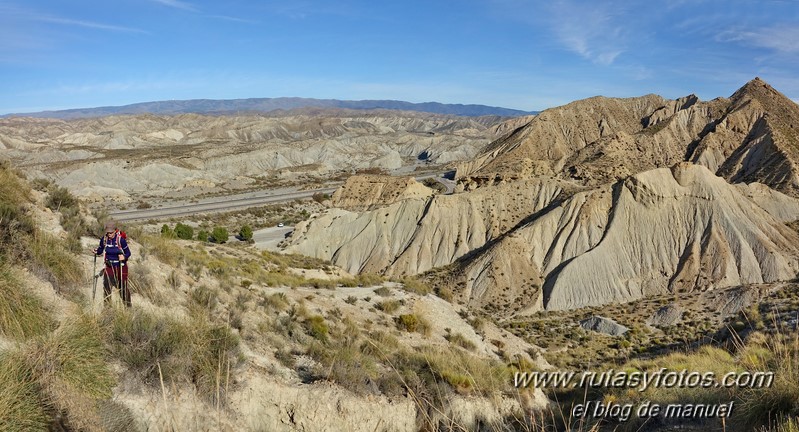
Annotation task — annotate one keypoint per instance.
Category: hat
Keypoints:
(110, 226)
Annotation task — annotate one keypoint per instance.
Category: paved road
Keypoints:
(268, 238)
(218, 204)
(237, 202)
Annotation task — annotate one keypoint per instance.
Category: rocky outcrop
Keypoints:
(417, 234)
(219, 149)
(665, 230)
(364, 192)
(666, 316)
(603, 325)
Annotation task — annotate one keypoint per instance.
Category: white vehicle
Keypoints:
(280, 225)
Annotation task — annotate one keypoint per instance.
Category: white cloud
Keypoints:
(234, 19)
(87, 24)
(590, 30)
(782, 38)
(177, 4)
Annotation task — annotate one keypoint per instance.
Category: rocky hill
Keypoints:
(600, 201)
(126, 157)
(225, 338)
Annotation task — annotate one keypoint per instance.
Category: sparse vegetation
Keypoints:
(183, 231)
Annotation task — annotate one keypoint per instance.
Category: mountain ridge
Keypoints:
(266, 105)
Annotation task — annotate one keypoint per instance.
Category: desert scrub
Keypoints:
(22, 314)
(317, 327)
(413, 323)
(460, 340)
(277, 301)
(52, 262)
(388, 306)
(70, 367)
(21, 404)
(203, 299)
(414, 285)
(183, 351)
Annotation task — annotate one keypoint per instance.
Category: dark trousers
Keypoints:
(116, 275)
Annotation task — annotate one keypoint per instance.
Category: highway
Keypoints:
(236, 202)
(217, 204)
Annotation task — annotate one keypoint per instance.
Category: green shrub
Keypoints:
(59, 197)
(317, 327)
(202, 235)
(166, 231)
(219, 235)
(184, 232)
(245, 233)
(413, 323)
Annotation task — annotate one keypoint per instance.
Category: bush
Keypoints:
(219, 235)
(71, 369)
(59, 197)
(184, 232)
(22, 314)
(21, 405)
(413, 323)
(245, 233)
(194, 351)
(202, 235)
(51, 261)
(388, 306)
(317, 327)
(166, 231)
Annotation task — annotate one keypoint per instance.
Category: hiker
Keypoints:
(116, 250)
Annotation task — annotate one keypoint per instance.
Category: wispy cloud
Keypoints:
(177, 4)
(18, 14)
(782, 38)
(234, 19)
(87, 24)
(590, 30)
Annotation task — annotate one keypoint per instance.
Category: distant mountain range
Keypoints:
(264, 105)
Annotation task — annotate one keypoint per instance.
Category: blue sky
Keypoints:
(519, 54)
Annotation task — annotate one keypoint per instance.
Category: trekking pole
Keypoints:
(94, 275)
(119, 281)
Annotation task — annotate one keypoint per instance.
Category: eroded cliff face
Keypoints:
(599, 201)
(665, 230)
(414, 235)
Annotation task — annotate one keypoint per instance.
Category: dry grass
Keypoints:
(52, 262)
(193, 351)
(21, 404)
(22, 314)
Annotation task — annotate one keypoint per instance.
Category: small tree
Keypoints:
(219, 235)
(245, 233)
(166, 231)
(202, 235)
(183, 231)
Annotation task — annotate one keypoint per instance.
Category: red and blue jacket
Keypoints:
(113, 247)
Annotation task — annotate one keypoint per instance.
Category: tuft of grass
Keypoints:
(71, 369)
(415, 285)
(52, 261)
(192, 351)
(388, 306)
(21, 404)
(22, 314)
(413, 323)
(317, 327)
(461, 341)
